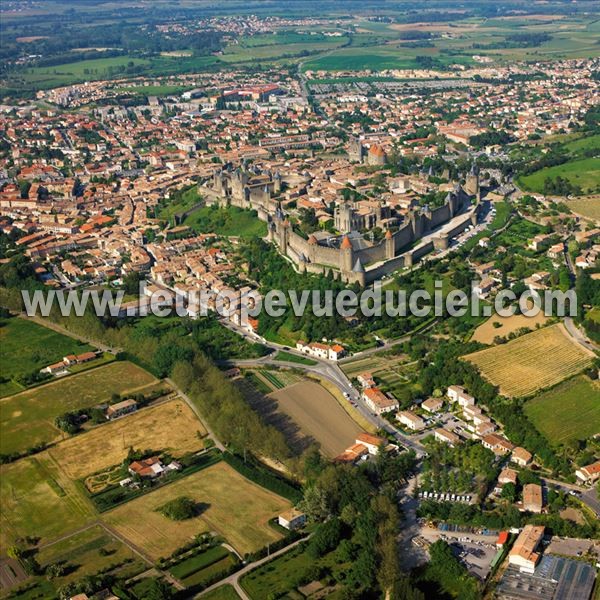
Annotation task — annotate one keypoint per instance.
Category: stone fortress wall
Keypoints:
(347, 258)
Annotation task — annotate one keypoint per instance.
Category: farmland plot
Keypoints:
(533, 362)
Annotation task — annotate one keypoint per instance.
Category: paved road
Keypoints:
(589, 496)
(234, 579)
(332, 372)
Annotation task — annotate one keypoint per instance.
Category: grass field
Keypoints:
(231, 221)
(586, 207)
(532, 362)
(27, 418)
(582, 172)
(570, 411)
(36, 78)
(319, 415)
(289, 357)
(37, 499)
(236, 508)
(486, 332)
(224, 592)
(170, 426)
(26, 347)
(189, 198)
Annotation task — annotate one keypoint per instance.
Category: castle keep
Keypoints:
(349, 256)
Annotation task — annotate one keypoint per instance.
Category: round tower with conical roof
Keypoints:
(347, 255)
(390, 246)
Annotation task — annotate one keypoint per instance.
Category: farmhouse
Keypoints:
(532, 498)
(410, 420)
(76, 359)
(458, 394)
(589, 473)
(445, 436)
(68, 361)
(523, 553)
(152, 467)
(364, 445)
(352, 454)
(114, 411)
(371, 442)
(55, 368)
(378, 402)
(324, 351)
(366, 380)
(292, 519)
(484, 287)
(432, 405)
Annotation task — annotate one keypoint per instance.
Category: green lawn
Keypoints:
(584, 172)
(570, 411)
(289, 357)
(230, 221)
(182, 202)
(26, 347)
(195, 563)
(225, 592)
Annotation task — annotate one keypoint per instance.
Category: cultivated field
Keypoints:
(586, 207)
(83, 550)
(532, 362)
(36, 499)
(169, 426)
(486, 332)
(570, 411)
(319, 415)
(26, 347)
(236, 508)
(27, 418)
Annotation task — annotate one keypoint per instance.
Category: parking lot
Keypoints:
(572, 547)
(475, 551)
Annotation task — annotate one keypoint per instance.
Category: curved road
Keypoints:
(328, 370)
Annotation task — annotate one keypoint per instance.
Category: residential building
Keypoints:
(589, 473)
(114, 411)
(292, 519)
(432, 405)
(447, 437)
(410, 420)
(458, 394)
(521, 457)
(507, 475)
(524, 552)
(532, 498)
(378, 402)
(371, 442)
(496, 443)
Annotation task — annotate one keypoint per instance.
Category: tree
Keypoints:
(179, 509)
(326, 537)
(509, 492)
(315, 503)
